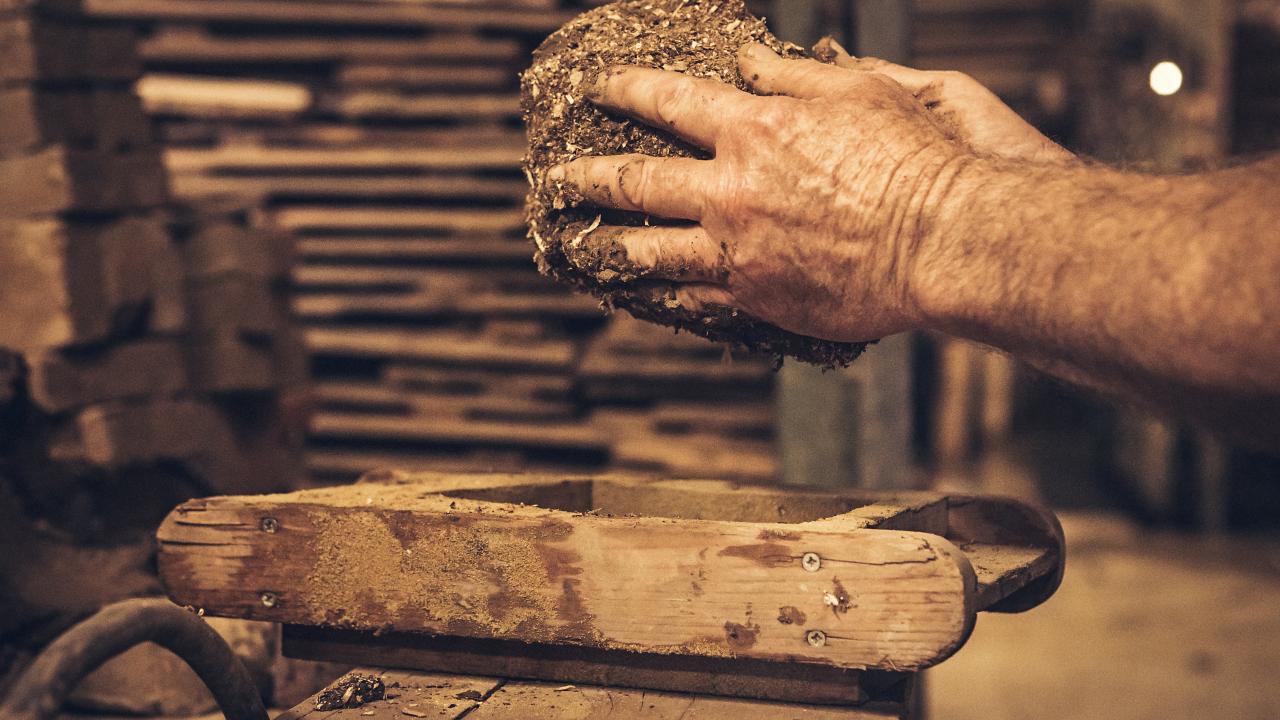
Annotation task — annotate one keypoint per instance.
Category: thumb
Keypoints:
(769, 74)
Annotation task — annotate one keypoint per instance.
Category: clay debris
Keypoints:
(573, 242)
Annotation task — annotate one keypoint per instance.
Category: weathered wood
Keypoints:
(733, 677)
(451, 555)
(414, 694)
(368, 104)
(443, 347)
(475, 249)
(443, 429)
(275, 12)
(336, 292)
(185, 46)
(196, 96)
(435, 77)
(266, 160)
(402, 219)
(388, 184)
(434, 696)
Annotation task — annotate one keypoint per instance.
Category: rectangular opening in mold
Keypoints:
(684, 499)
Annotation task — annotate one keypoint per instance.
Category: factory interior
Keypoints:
(276, 359)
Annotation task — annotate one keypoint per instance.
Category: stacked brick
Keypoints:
(386, 137)
(137, 319)
(146, 354)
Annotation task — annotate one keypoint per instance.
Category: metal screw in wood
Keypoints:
(810, 561)
(269, 525)
(269, 599)
(816, 638)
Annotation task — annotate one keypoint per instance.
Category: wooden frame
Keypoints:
(619, 567)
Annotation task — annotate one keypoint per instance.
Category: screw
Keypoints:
(268, 525)
(816, 638)
(810, 561)
(269, 599)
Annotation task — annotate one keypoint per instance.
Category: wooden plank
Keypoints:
(434, 429)
(349, 463)
(478, 381)
(521, 700)
(1005, 569)
(478, 249)
(372, 104)
(401, 219)
(438, 301)
(443, 347)
(343, 14)
(409, 694)
(734, 677)
(193, 46)
(453, 696)
(382, 186)
(58, 180)
(435, 77)
(371, 556)
(222, 98)
(244, 159)
(377, 398)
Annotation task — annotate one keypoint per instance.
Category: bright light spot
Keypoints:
(1166, 78)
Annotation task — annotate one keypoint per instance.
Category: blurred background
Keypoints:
(339, 282)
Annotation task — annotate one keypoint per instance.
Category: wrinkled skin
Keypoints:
(815, 212)
(861, 199)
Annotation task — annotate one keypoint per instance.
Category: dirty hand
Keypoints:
(964, 107)
(816, 212)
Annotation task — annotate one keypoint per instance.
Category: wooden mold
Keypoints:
(616, 580)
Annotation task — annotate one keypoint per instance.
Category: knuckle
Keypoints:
(633, 181)
(672, 100)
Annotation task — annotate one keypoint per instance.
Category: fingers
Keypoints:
(696, 109)
(768, 73)
(663, 252)
(668, 187)
(697, 297)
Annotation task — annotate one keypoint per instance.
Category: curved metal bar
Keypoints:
(41, 690)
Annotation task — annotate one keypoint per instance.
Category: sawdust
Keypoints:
(573, 243)
(351, 691)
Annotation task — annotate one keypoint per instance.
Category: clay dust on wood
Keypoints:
(574, 243)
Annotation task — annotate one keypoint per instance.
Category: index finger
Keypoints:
(695, 109)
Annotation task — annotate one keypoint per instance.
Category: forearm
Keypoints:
(1158, 288)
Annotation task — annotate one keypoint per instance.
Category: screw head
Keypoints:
(816, 638)
(810, 562)
(269, 599)
(268, 525)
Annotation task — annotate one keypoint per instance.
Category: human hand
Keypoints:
(815, 213)
(965, 108)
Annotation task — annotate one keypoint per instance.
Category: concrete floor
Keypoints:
(1145, 625)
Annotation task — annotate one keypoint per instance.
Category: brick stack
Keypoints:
(386, 136)
(137, 319)
(145, 349)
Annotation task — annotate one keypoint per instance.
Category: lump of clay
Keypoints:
(573, 244)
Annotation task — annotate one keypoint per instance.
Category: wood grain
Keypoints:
(401, 556)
